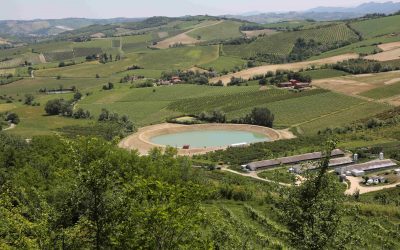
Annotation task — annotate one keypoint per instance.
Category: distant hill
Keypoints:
(46, 27)
(322, 13)
(366, 8)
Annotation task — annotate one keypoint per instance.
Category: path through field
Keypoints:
(253, 175)
(248, 73)
(183, 38)
(12, 126)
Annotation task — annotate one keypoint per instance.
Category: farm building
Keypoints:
(360, 169)
(253, 166)
(176, 79)
(302, 85)
(285, 85)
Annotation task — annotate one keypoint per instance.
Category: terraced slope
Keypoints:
(282, 43)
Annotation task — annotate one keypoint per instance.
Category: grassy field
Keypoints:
(29, 85)
(324, 73)
(178, 58)
(367, 46)
(220, 31)
(279, 175)
(17, 61)
(342, 117)
(377, 27)
(224, 63)
(383, 92)
(35, 122)
(282, 43)
(146, 107)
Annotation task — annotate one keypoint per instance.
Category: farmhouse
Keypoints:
(302, 85)
(254, 166)
(176, 79)
(360, 169)
(285, 85)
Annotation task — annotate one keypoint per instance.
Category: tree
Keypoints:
(29, 98)
(58, 106)
(260, 116)
(13, 118)
(313, 210)
(108, 86)
(77, 96)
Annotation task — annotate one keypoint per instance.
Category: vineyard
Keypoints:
(378, 26)
(83, 52)
(282, 43)
(234, 102)
(58, 56)
(221, 31)
(20, 60)
(116, 43)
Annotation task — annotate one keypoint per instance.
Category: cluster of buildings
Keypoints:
(294, 84)
(343, 164)
(174, 80)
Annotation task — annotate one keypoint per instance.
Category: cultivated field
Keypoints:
(378, 26)
(283, 42)
(219, 31)
(256, 33)
(248, 73)
(388, 55)
(374, 86)
(184, 38)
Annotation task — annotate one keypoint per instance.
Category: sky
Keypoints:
(55, 9)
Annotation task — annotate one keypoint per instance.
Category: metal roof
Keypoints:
(372, 165)
(290, 159)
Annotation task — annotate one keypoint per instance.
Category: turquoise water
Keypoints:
(208, 138)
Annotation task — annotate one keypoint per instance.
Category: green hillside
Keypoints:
(220, 31)
(282, 43)
(378, 26)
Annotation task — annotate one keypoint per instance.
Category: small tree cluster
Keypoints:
(258, 116)
(215, 116)
(108, 86)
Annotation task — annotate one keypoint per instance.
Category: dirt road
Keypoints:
(248, 73)
(355, 185)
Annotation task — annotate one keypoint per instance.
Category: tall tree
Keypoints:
(313, 210)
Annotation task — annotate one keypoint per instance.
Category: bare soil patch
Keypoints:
(345, 86)
(98, 35)
(395, 101)
(141, 140)
(183, 38)
(162, 34)
(178, 39)
(389, 55)
(3, 41)
(389, 46)
(255, 33)
(394, 80)
(248, 73)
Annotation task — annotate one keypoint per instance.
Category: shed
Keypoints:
(357, 172)
(253, 166)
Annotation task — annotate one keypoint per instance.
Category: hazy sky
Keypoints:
(46, 9)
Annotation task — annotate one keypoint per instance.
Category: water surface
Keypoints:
(208, 138)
